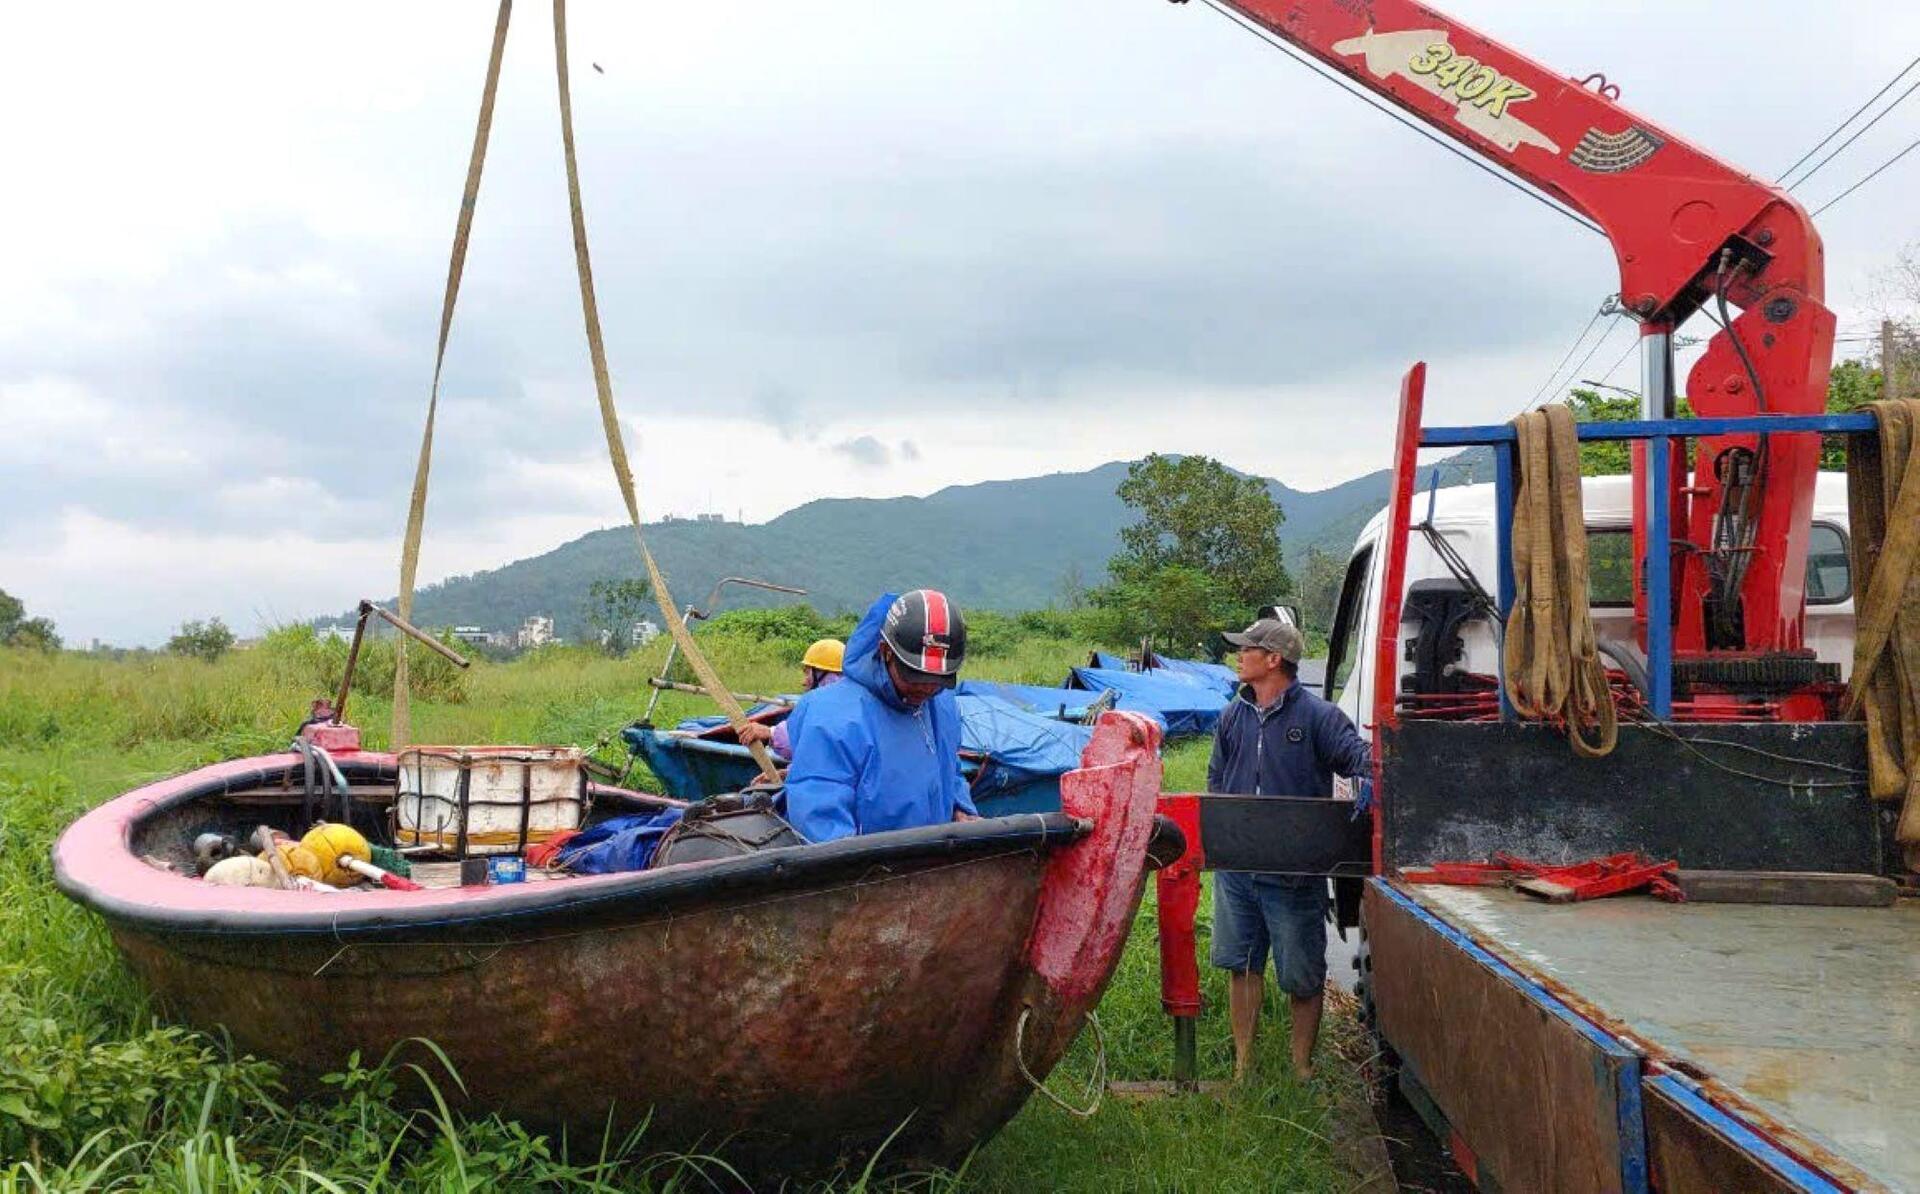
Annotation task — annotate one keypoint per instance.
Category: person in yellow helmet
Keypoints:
(819, 667)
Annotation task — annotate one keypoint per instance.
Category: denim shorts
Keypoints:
(1254, 915)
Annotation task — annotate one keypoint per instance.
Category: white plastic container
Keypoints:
(473, 800)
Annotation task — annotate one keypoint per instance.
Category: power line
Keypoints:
(1534, 401)
(1608, 375)
(1261, 32)
(1849, 120)
(1596, 348)
(1869, 178)
(1856, 136)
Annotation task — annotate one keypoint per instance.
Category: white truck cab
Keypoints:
(1463, 516)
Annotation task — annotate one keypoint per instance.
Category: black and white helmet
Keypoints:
(928, 634)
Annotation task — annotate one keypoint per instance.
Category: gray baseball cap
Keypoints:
(1271, 634)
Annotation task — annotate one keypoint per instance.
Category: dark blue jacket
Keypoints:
(863, 761)
(1292, 748)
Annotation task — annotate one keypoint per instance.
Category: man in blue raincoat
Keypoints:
(882, 750)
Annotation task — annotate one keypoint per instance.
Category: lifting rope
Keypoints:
(603, 386)
(1883, 498)
(1552, 664)
(456, 266)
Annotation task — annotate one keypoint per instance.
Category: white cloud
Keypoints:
(1026, 236)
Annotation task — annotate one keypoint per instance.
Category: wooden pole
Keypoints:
(700, 690)
(1889, 361)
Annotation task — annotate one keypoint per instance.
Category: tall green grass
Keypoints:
(96, 1093)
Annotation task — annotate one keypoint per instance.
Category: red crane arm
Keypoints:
(1683, 224)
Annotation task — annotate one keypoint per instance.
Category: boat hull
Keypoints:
(789, 1011)
(837, 1010)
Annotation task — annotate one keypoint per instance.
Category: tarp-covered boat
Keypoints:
(789, 1009)
(1181, 703)
(1013, 757)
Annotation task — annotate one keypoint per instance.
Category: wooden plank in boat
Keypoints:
(447, 874)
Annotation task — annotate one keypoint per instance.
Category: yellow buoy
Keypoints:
(329, 842)
(302, 861)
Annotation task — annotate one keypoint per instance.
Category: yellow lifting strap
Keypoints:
(417, 505)
(1552, 665)
(1883, 499)
(603, 385)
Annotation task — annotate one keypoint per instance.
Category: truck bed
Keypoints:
(1810, 1017)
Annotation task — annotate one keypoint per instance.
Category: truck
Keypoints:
(1759, 1034)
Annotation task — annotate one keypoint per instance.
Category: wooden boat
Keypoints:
(789, 1009)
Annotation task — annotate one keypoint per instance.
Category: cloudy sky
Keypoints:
(854, 249)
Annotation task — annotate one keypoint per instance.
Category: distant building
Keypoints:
(709, 518)
(536, 631)
(333, 633)
(474, 636)
(642, 633)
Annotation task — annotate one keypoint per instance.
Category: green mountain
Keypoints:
(998, 545)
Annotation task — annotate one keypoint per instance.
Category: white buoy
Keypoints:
(242, 870)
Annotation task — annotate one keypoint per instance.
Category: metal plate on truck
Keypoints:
(1798, 1022)
(1463, 791)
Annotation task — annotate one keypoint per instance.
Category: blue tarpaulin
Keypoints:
(1213, 675)
(1104, 659)
(1180, 704)
(617, 844)
(1025, 754)
(1061, 704)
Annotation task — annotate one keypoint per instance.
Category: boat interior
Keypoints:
(280, 797)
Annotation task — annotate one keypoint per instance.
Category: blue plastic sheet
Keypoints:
(618, 844)
(1181, 705)
(1061, 704)
(1213, 675)
(1025, 754)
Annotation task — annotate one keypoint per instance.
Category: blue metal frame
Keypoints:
(1788, 1168)
(1659, 434)
(1629, 1119)
(1502, 433)
(1659, 577)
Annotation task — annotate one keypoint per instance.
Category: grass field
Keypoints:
(97, 1093)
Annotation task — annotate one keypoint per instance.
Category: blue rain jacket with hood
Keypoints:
(863, 762)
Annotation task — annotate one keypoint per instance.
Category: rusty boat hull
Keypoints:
(789, 1010)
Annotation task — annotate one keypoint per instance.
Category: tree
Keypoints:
(1320, 579)
(613, 606)
(1202, 555)
(1851, 386)
(1601, 458)
(1073, 588)
(1197, 513)
(18, 630)
(1181, 609)
(207, 640)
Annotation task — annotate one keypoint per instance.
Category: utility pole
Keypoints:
(1889, 361)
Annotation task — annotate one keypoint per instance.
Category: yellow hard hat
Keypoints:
(827, 655)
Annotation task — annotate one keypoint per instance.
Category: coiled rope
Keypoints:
(1883, 497)
(603, 387)
(1096, 1082)
(1553, 667)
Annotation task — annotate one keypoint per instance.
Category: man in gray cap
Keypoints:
(1276, 739)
